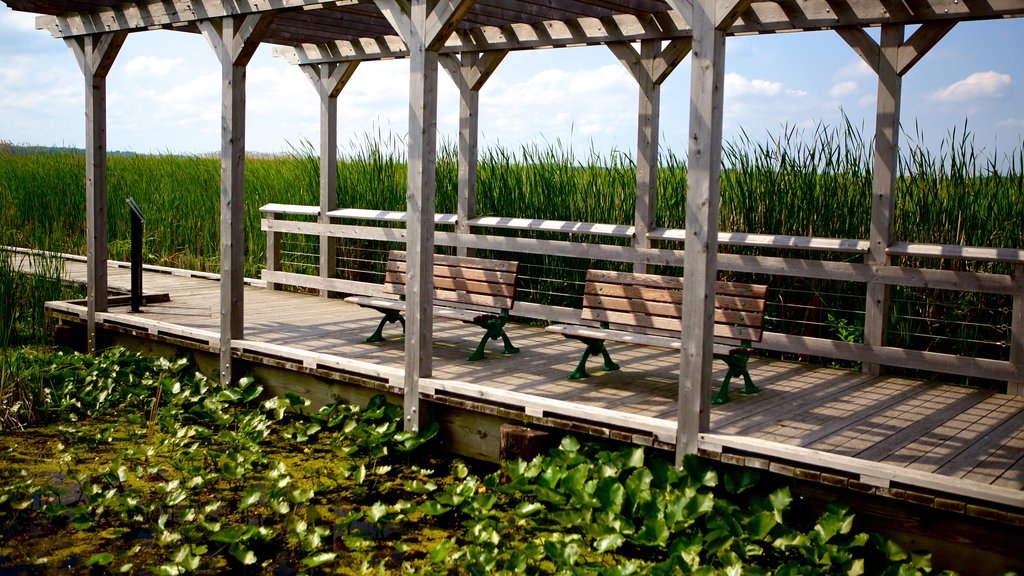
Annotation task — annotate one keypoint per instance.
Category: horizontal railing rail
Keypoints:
(605, 242)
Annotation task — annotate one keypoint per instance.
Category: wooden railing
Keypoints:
(380, 226)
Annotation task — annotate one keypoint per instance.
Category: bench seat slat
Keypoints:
(633, 279)
(673, 296)
(460, 262)
(464, 315)
(720, 348)
(498, 289)
(396, 272)
(723, 314)
(664, 326)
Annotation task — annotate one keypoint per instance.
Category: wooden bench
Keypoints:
(473, 290)
(646, 309)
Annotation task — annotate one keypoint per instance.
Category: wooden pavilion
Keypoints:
(468, 39)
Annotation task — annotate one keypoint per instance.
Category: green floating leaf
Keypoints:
(377, 511)
(608, 543)
(102, 559)
(420, 487)
(525, 509)
(319, 559)
(242, 554)
(168, 570)
(251, 497)
(441, 551)
(569, 444)
(432, 508)
(780, 501)
(739, 481)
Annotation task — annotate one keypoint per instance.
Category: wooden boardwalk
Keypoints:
(896, 433)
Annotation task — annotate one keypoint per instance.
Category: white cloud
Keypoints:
(1011, 123)
(558, 104)
(738, 86)
(151, 66)
(843, 89)
(989, 84)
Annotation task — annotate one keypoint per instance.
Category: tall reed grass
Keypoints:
(814, 182)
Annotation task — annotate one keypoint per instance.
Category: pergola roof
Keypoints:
(359, 30)
(468, 39)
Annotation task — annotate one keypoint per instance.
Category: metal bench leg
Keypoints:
(390, 316)
(722, 396)
(508, 347)
(594, 347)
(495, 329)
(737, 367)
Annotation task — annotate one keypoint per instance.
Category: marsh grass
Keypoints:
(814, 182)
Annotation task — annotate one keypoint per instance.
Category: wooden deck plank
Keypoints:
(808, 427)
(935, 449)
(963, 434)
(889, 430)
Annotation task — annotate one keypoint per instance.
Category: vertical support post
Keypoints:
(328, 174)
(95, 54)
(329, 79)
(469, 126)
(420, 207)
(1017, 332)
(136, 256)
(646, 150)
(700, 259)
(273, 251)
(469, 72)
(232, 214)
(234, 40)
(887, 130)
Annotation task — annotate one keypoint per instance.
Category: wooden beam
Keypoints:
(729, 11)
(420, 200)
(887, 130)
(442, 20)
(758, 17)
(95, 55)
(670, 56)
(702, 213)
(863, 44)
(919, 43)
(162, 13)
(234, 40)
(397, 14)
(329, 80)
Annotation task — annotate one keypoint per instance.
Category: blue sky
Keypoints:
(164, 93)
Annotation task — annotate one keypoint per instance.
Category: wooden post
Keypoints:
(95, 55)
(1017, 332)
(234, 40)
(329, 79)
(700, 260)
(469, 127)
(650, 69)
(890, 60)
(887, 131)
(469, 74)
(420, 207)
(648, 116)
(273, 252)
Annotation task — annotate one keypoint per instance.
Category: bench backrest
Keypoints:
(460, 280)
(653, 305)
